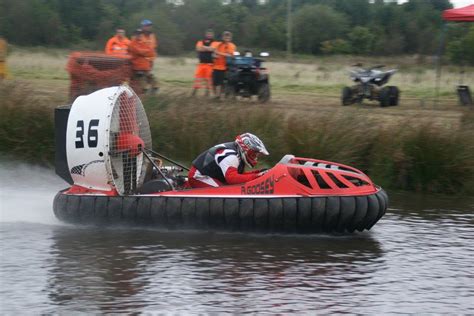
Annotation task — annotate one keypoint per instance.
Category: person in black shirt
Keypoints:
(203, 74)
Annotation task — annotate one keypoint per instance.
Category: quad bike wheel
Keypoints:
(384, 96)
(264, 92)
(394, 94)
(347, 98)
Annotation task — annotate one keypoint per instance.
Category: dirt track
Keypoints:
(410, 111)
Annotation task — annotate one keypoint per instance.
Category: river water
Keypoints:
(418, 259)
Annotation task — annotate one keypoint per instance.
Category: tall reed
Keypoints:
(184, 126)
(414, 156)
(425, 158)
(26, 124)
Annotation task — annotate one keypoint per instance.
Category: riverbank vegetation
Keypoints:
(417, 156)
(26, 125)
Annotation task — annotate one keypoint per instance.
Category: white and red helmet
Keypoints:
(250, 148)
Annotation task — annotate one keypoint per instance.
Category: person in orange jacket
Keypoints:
(203, 74)
(222, 50)
(118, 44)
(150, 39)
(3, 58)
(148, 36)
(141, 54)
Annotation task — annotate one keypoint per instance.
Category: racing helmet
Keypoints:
(250, 148)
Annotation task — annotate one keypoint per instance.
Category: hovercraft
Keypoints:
(103, 150)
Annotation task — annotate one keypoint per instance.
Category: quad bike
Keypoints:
(369, 82)
(246, 77)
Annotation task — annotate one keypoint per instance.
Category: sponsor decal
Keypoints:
(267, 186)
(81, 169)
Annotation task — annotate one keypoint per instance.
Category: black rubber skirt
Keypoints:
(303, 215)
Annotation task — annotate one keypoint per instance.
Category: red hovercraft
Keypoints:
(103, 149)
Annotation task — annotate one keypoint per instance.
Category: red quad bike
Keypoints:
(104, 152)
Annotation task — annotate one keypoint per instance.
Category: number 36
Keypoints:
(92, 134)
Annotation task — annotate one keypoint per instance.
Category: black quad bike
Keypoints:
(369, 85)
(246, 77)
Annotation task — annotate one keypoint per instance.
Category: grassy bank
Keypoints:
(419, 157)
(321, 75)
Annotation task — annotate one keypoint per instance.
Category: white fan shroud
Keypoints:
(128, 123)
(102, 128)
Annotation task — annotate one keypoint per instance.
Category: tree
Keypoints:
(32, 22)
(319, 26)
(314, 24)
(336, 46)
(362, 40)
(460, 50)
(194, 17)
(170, 37)
(84, 15)
(358, 11)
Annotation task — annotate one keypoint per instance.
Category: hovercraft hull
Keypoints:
(263, 214)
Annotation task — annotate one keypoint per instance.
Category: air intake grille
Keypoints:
(337, 181)
(319, 179)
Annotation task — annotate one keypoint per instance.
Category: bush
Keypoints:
(362, 40)
(337, 46)
(460, 50)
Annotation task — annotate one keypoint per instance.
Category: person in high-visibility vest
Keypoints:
(3, 58)
(203, 73)
(222, 50)
(149, 38)
(140, 53)
(118, 44)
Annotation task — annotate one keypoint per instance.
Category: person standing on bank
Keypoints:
(149, 38)
(222, 50)
(203, 74)
(141, 53)
(118, 44)
(3, 58)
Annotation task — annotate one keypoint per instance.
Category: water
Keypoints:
(417, 259)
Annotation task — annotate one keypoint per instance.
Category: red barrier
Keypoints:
(91, 71)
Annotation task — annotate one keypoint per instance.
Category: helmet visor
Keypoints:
(252, 157)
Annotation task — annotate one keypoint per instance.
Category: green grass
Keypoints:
(312, 74)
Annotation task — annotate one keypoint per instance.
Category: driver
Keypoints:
(224, 164)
